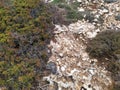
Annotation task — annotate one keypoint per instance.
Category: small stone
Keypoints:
(82, 88)
(52, 67)
(62, 68)
(61, 54)
(81, 9)
(91, 71)
(105, 11)
(79, 0)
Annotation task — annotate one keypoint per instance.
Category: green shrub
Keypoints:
(72, 14)
(25, 30)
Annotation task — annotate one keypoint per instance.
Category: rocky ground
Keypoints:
(72, 68)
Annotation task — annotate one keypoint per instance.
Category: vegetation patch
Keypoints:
(105, 45)
(106, 48)
(25, 30)
(72, 14)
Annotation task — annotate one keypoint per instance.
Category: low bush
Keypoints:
(105, 45)
(72, 14)
(106, 48)
(25, 30)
